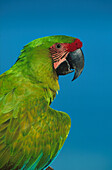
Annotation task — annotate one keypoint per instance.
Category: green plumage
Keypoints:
(31, 133)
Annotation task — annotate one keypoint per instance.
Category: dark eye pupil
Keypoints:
(58, 46)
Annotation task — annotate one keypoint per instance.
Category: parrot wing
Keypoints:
(31, 133)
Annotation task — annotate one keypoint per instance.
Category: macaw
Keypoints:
(31, 132)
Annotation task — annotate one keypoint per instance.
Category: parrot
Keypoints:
(31, 132)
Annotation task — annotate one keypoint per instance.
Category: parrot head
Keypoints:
(63, 51)
(67, 57)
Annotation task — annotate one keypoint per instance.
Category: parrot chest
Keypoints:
(36, 132)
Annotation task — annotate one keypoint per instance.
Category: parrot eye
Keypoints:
(58, 45)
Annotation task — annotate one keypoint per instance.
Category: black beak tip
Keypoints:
(77, 74)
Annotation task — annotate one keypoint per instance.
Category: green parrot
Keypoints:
(31, 132)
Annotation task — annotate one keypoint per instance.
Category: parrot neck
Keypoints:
(37, 76)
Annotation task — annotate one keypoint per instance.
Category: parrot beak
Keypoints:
(74, 60)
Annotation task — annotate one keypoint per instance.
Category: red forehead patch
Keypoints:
(70, 47)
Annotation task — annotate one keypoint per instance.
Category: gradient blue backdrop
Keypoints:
(88, 100)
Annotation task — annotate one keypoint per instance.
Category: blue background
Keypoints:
(88, 100)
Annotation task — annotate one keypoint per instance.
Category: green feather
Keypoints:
(31, 133)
